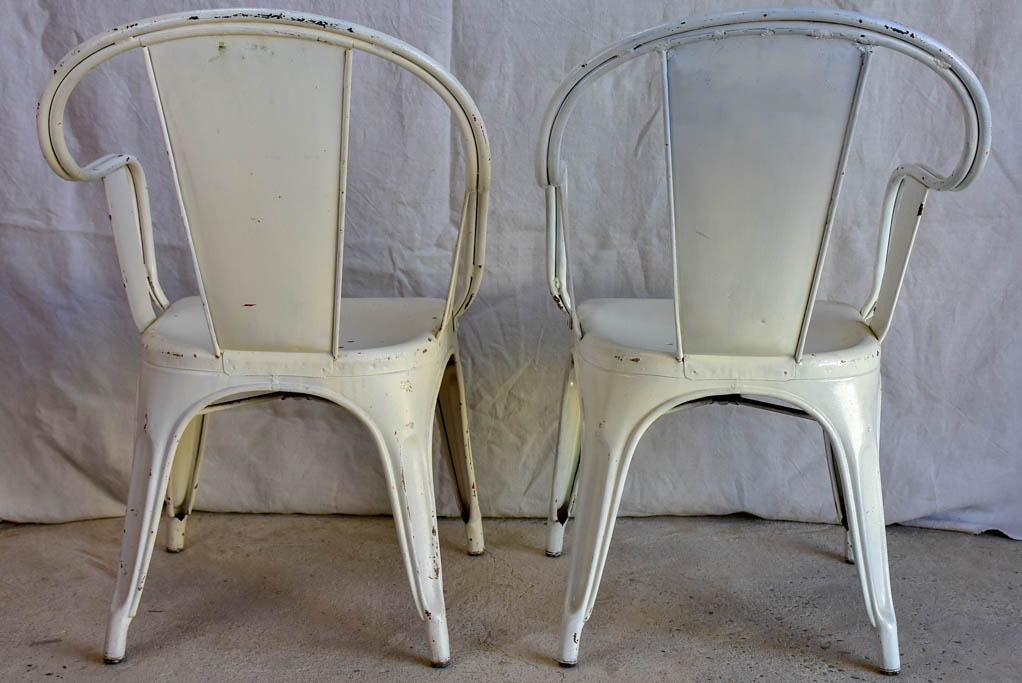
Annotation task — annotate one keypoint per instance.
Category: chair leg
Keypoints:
(569, 439)
(604, 465)
(184, 481)
(453, 416)
(856, 447)
(409, 466)
(839, 498)
(150, 470)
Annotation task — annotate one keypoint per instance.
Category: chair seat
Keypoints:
(637, 336)
(372, 330)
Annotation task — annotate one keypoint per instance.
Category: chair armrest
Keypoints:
(472, 240)
(127, 201)
(558, 272)
(121, 197)
(903, 209)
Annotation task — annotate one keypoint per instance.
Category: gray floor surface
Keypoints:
(299, 598)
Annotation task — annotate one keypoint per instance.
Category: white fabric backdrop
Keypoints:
(951, 436)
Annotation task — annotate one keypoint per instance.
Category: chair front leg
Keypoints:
(408, 461)
(150, 471)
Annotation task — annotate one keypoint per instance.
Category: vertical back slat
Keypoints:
(758, 124)
(834, 195)
(669, 162)
(254, 132)
(342, 198)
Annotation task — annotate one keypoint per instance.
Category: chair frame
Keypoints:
(332, 377)
(852, 461)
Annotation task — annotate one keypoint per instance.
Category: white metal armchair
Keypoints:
(759, 108)
(264, 214)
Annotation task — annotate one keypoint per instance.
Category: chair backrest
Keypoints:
(759, 108)
(255, 111)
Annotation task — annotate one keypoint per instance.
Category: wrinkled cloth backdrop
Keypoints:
(951, 435)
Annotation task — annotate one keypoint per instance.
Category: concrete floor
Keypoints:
(266, 597)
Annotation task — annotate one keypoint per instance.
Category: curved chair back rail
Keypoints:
(759, 109)
(264, 285)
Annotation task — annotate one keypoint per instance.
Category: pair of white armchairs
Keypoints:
(758, 110)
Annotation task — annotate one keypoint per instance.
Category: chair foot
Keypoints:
(571, 632)
(116, 638)
(474, 534)
(554, 539)
(439, 645)
(890, 658)
(176, 534)
(567, 665)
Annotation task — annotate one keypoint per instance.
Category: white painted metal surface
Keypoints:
(759, 109)
(254, 106)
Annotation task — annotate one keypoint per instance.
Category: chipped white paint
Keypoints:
(254, 106)
(759, 110)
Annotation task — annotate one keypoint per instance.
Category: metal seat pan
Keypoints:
(385, 332)
(637, 336)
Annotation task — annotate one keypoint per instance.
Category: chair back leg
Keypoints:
(839, 498)
(453, 416)
(406, 449)
(184, 481)
(852, 407)
(617, 413)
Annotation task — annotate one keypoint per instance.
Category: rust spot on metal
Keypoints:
(575, 637)
(635, 359)
(427, 613)
(920, 212)
(248, 305)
